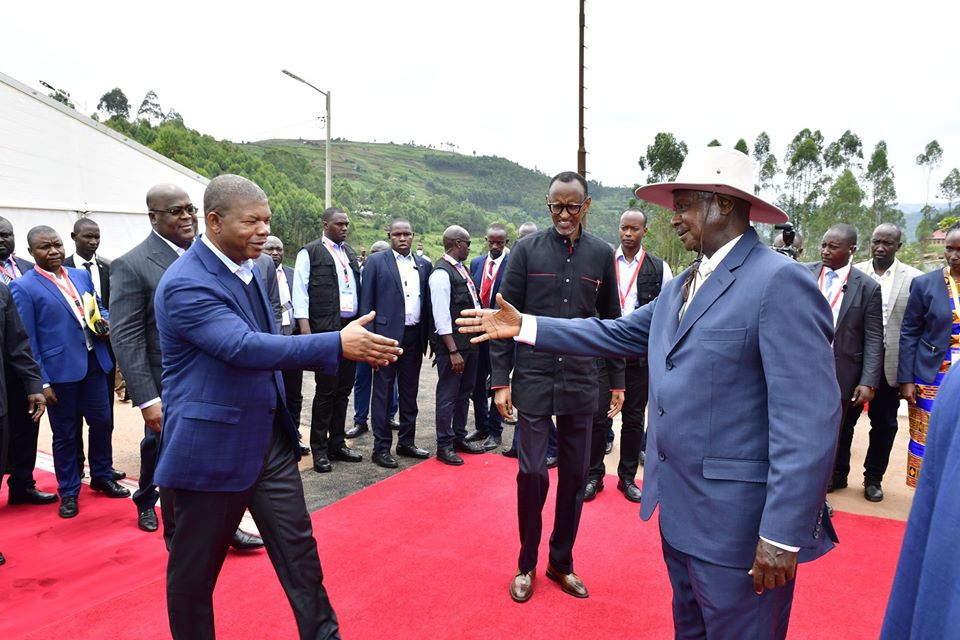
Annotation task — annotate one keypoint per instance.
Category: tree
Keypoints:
(879, 175)
(843, 203)
(713, 143)
(742, 147)
(664, 158)
(844, 153)
(62, 97)
(929, 160)
(762, 156)
(150, 108)
(115, 103)
(173, 116)
(950, 188)
(804, 177)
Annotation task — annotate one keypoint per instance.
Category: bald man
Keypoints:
(228, 442)
(451, 291)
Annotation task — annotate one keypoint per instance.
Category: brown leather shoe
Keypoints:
(569, 582)
(521, 587)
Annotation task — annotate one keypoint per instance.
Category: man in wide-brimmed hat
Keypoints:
(743, 402)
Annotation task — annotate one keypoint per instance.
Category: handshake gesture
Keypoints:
(491, 324)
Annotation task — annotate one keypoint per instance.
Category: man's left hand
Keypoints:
(772, 567)
(616, 403)
(36, 405)
(862, 395)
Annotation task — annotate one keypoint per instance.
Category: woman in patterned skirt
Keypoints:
(929, 344)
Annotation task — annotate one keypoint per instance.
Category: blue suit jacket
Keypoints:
(476, 272)
(382, 291)
(56, 338)
(221, 380)
(926, 329)
(744, 404)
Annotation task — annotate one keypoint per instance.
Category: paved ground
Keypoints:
(346, 478)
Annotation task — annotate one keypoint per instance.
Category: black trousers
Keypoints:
(453, 397)
(147, 494)
(883, 431)
(405, 373)
(22, 433)
(293, 387)
(329, 417)
(205, 523)
(573, 454)
(632, 439)
(598, 437)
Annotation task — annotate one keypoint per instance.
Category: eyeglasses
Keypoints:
(178, 211)
(466, 242)
(556, 208)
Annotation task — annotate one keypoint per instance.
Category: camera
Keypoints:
(788, 235)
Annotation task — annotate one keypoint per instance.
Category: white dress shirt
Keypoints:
(244, 270)
(440, 300)
(79, 262)
(885, 281)
(180, 250)
(835, 295)
(410, 280)
(628, 283)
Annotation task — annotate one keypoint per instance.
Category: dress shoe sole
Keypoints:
(563, 585)
(326, 469)
(33, 501)
(346, 459)
(452, 463)
(110, 494)
(386, 465)
(411, 454)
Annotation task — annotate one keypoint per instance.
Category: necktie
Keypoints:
(486, 285)
(5, 274)
(831, 283)
(87, 265)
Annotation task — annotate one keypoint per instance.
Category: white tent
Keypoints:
(57, 165)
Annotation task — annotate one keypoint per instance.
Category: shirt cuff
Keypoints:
(148, 403)
(528, 329)
(46, 385)
(621, 390)
(785, 547)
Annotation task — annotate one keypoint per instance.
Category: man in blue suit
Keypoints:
(228, 442)
(395, 286)
(743, 398)
(74, 362)
(487, 272)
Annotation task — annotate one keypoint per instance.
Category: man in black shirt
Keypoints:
(561, 272)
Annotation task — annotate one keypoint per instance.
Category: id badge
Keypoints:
(954, 355)
(346, 299)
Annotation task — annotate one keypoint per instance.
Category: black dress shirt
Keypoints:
(547, 275)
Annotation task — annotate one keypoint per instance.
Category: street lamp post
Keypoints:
(327, 166)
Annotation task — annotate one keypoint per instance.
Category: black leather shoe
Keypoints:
(510, 453)
(467, 447)
(147, 519)
(643, 458)
(447, 456)
(345, 454)
(322, 465)
(412, 451)
(243, 541)
(491, 442)
(394, 424)
(117, 475)
(608, 448)
(837, 482)
(384, 460)
(110, 488)
(551, 462)
(594, 486)
(304, 449)
(31, 496)
(68, 507)
(3, 560)
(872, 490)
(476, 436)
(510, 420)
(356, 430)
(630, 490)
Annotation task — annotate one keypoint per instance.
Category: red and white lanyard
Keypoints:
(70, 291)
(341, 258)
(843, 285)
(633, 280)
(466, 276)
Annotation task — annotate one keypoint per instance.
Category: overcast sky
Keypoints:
(500, 77)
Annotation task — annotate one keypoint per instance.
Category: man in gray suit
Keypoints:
(134, 277)
(855, 301)
(894, 278)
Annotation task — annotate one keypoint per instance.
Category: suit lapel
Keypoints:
(395, 271)
(230, 282)
(56, 293)
(854, 285)
(160, 252)
(899, 276)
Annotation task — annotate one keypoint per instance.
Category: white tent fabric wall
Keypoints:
(57, 165)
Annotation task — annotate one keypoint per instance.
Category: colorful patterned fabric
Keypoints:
(926, 395)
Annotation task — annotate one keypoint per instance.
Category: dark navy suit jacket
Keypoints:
(56, 338)
(744, 404)
(476, 272)
(222, 386)
(382, 291)
(925, 332)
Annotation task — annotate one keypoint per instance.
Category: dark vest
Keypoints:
(323, 288)
(460, 299)
(649, 280)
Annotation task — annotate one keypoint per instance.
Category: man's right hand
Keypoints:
(50, 395)
(365, 346)
(153, 416)
(492, 325)
(504, 402)
(908, 391)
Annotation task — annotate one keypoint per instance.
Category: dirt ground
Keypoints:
(346, 478)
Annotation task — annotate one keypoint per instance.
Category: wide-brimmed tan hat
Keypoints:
(720, 170)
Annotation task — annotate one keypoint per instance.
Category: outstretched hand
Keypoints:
(365, 346)
(489, 323)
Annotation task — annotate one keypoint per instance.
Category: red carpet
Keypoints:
(427, 553)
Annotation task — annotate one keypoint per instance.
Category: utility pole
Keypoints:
(582, 149)
(328, 166)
